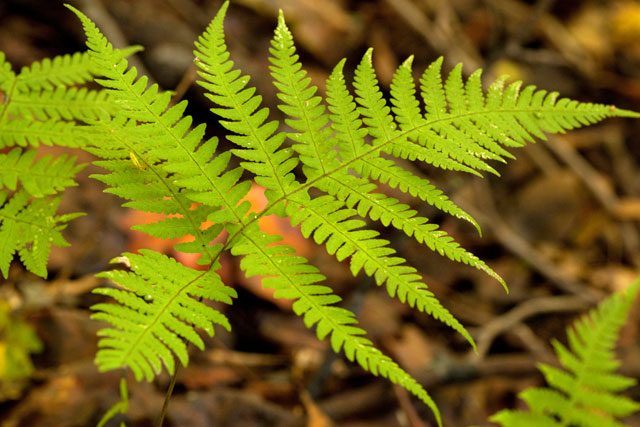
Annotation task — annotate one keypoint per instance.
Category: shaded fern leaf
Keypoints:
(42, 103)
(40, 178)
(37, 108)
(63, 70)
(158, 311)
(29, 227)
(585, 392)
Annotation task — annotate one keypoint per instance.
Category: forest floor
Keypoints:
(561, 225)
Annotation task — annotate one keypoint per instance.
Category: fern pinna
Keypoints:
(345, 146)
(584, 396)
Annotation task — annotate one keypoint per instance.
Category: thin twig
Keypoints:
(601, 190)
(517, 245)
(185, 83)
(527, 309)
(413, 418)
(514, 43)
(439, 34)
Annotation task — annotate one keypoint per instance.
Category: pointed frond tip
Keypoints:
(619, 112)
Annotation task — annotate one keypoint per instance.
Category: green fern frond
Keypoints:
(30, 227)
(158, 310)
(439, 136)
(351, 143)
(429, 147)
(584, 393)
(120, 407)
(160, 161)
(40, 178)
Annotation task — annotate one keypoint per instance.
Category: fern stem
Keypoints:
(167, 397)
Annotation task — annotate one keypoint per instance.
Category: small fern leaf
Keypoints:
(524, 419)
(387, 172)
(120, 407)
(438, 134)
(158, 311)
(345, 120)
(584, 392)
(30, 227)
(42, 178)
(358, 193)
